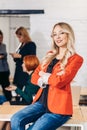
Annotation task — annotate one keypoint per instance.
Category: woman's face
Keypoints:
(24, 67)
(20, 38)
(60, 37)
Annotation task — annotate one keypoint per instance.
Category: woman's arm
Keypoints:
(19, 91)
(61, 79)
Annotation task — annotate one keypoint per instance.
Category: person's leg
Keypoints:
(8, 126)
(2, 124)
(27, 115)
(49, 121)
(5, 83)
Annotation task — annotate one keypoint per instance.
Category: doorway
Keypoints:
(9, 24)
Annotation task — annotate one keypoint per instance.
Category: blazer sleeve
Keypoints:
(35, 76)
(69, 73)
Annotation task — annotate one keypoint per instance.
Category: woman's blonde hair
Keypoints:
(21, 31)
(70, 50)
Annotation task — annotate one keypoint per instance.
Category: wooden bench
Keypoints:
(6, 111)
(84, 112)
(78, 119)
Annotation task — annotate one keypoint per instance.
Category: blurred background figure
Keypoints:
(4, 69)
(30, 63)
(26, 47)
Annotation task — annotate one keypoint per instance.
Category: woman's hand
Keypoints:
(11, 88)
(41, 73)
(43, 80)
(15, 55)
(1, 56)
(44, 75)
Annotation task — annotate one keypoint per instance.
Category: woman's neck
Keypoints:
(61, 53)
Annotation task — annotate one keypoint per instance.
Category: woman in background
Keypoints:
(27, 47)
(4, 70)
(30, 63)
(52, 105)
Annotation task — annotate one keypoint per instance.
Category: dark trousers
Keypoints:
(4, 82)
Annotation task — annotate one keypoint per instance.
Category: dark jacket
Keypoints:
(29, 91)
(20, 77)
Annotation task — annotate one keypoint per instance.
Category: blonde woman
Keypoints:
(52, 105)
(26, 47)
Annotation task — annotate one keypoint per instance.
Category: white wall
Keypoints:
(71, 11)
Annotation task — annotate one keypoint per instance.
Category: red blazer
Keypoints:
(59, 94)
